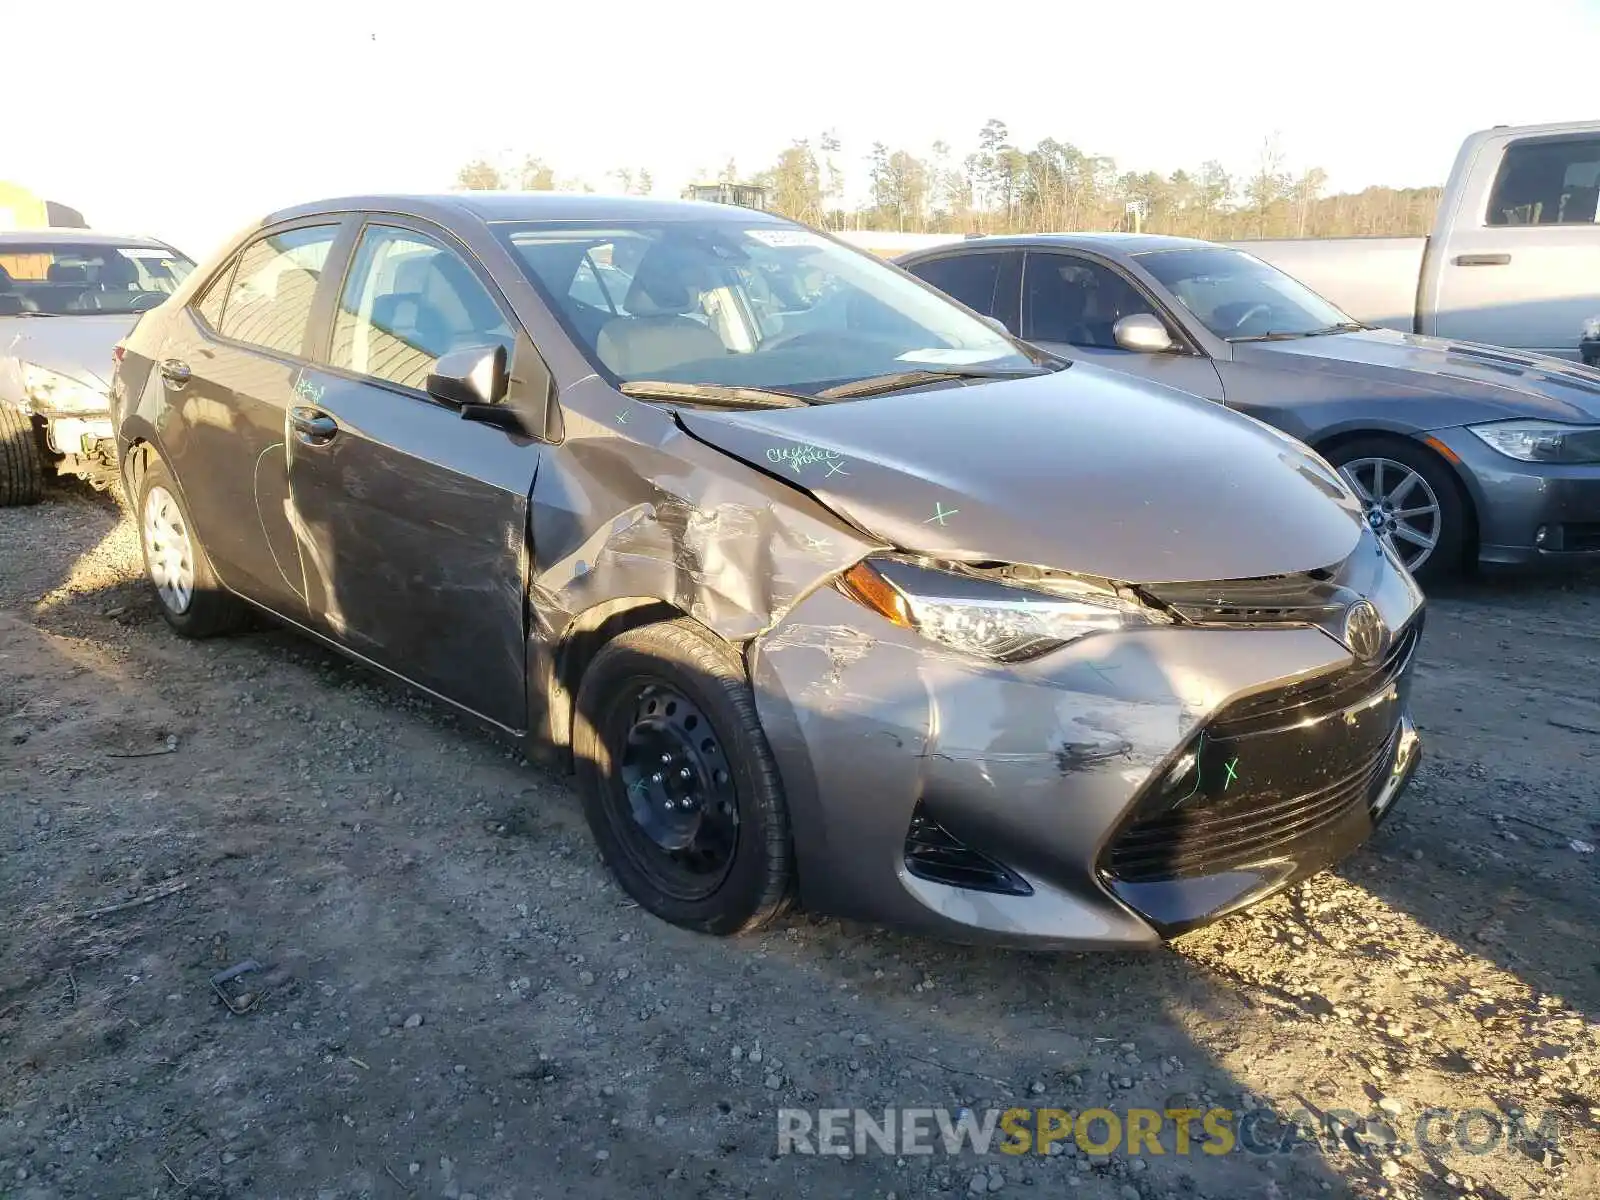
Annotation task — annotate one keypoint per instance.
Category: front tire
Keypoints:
(21, 460)
(679, 785)
(187, 591)
(1411, 500)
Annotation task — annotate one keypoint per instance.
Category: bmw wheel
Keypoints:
(1410, 500)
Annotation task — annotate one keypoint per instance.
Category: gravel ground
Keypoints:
(455, 1001)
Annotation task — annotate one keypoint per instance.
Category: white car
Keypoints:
(67, 297)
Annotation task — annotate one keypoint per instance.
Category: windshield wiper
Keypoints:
(876, 384)
(1275, 336)
(715, 395)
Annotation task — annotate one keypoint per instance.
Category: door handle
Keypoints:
(1482, 260)
(175, 371)
(312, 426)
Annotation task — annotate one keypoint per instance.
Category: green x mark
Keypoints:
(940, 512)
(622, 417)
(1232, 773)
(1100, 668)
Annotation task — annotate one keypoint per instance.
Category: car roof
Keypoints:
(56, 236)
(530, 206)
(1106, 243)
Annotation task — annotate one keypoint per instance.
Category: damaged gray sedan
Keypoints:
(826, 589)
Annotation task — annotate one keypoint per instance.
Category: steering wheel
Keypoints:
(145, 301)
(1264, 310)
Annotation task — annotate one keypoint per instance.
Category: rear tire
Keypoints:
(1400, 457)
(630, 717)
(187, 591)
(21, 461)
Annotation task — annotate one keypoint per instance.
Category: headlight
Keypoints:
(1542, 441)
(51, 391)
(994, 620)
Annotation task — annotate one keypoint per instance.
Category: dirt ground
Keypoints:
(455, 1001)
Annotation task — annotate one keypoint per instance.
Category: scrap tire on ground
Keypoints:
(21, 462)
(685, 661)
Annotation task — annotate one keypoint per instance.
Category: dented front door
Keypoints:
(413, 527)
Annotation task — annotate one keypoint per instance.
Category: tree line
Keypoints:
(998, 187)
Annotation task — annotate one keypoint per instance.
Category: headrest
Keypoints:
(411, 276)
(664, 285)
(117, 271)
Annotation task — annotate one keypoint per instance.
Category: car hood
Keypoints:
(1083, 470)
(1502, 383)
(78, 347)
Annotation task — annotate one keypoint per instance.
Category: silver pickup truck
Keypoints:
(1513, 260)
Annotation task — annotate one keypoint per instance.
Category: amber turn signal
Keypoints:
(865, 586)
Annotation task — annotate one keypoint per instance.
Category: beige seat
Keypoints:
(656, 335)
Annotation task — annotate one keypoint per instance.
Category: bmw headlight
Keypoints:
(1542, 441)
(50, 391)
(1000, 621)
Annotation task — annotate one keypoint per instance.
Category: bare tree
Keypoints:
(479, 175)
(997, 186)
(537, 175)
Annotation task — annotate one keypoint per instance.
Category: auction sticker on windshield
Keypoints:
(786, 237)
(947, 355)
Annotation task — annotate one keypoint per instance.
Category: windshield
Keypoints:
(62, 279)
(743, 303)
(1237, 296)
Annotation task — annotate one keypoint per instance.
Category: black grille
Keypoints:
(1219, 837)
(1319, 697)
(1584, 537)
(1309, 598)
(1268, 773)
(935, 854)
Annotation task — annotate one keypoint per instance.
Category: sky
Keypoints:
(188, 120)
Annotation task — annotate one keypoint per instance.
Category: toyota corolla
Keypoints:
(826, 589)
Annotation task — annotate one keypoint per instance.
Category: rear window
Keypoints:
(64, 279)
(1547, 183)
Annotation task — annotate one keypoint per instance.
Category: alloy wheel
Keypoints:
(169, 552)
(1400, 506)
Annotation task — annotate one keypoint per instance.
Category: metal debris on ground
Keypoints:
(241, 1000)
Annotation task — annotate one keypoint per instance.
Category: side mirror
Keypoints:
(1142, 333)
(468, 377)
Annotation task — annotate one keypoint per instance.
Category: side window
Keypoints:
(210, 304)
(1074, 300)
(269, 299)
(407, 301)
(970, 278)
(1547, 183)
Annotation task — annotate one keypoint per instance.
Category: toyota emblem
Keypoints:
(1364, 631)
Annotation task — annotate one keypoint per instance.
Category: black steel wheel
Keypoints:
(678, 782)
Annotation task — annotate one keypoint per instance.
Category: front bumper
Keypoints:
(1045, 789)
(79, 435)
(1528, 513)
